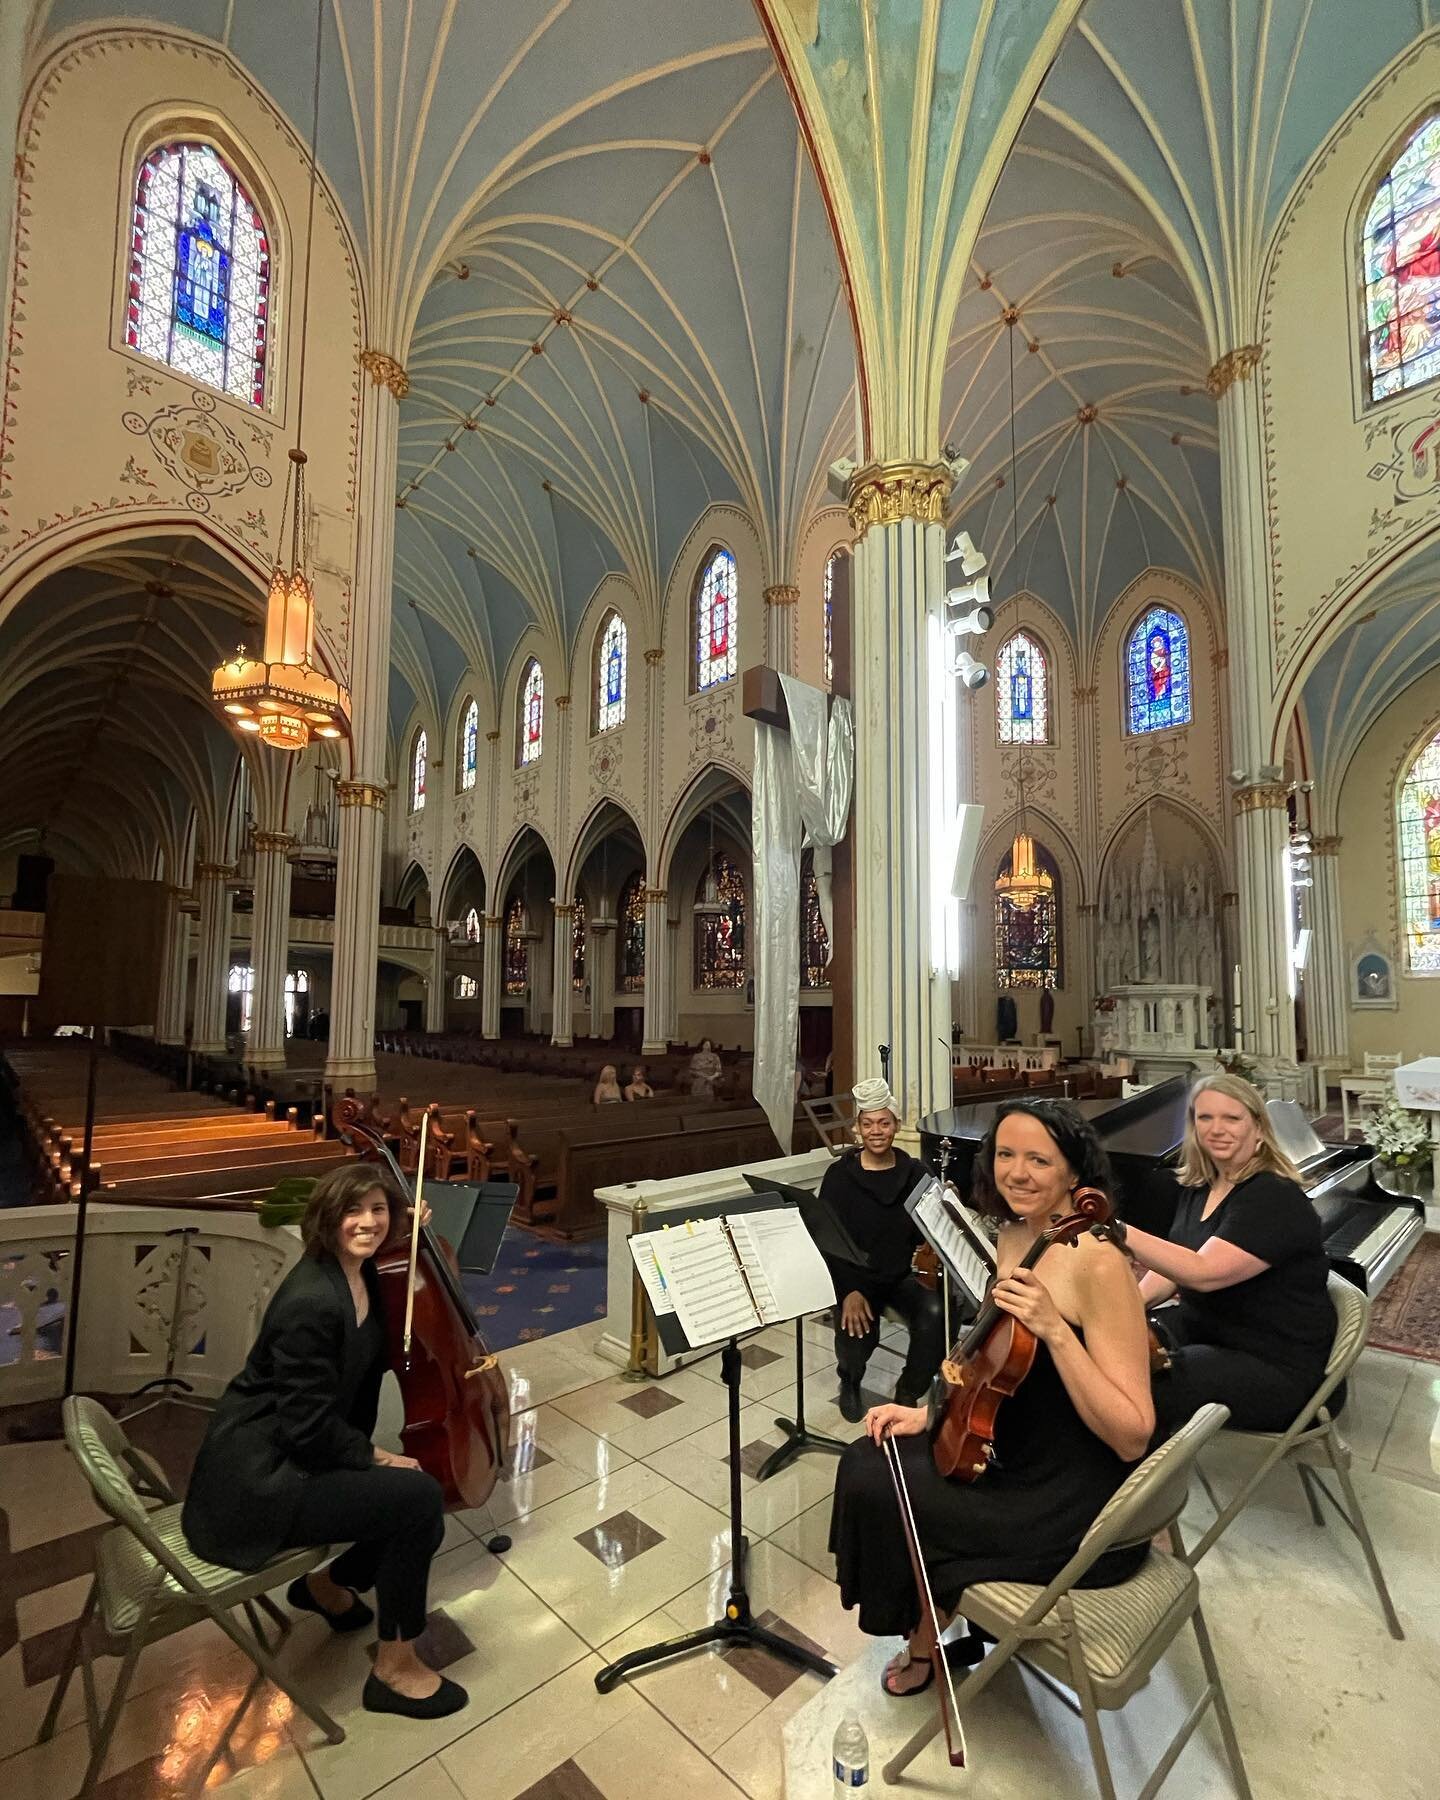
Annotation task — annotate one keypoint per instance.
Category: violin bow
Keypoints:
(415, 1229)
(944, 1681)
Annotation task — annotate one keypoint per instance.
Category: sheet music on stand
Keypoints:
(956, 1233)
(723, 1276)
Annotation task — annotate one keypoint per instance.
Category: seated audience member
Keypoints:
(607, 1088)
(866, 1189)
(1246, 1256)
(638, 1088)
(705, 1070)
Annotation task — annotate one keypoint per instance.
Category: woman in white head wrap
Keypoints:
(866, 1191)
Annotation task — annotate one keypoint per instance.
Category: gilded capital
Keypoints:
(1233, 366)
(1261, 796)
(781, 594)
(361, 793)
(494, 920)
(654, 896)
(885, 493)
(213, 871)
(1325, 846)
(492, 737)
(564, 909)
(268, 842)
(562, 701)
(655, 654)
(384, 371)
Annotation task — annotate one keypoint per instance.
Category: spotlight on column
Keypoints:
(970, 616)
(972, 674)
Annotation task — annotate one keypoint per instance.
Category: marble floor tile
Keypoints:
(426, 1781)
(807, 1537)
(550, 1726)
(598, 1408)
(1408, 1449)
(771, 1363)
(552, 1457)
(644, 1757)
(1376, 1385)
(700, 1464)
(43, 1495)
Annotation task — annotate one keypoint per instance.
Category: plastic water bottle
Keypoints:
(850, 1758)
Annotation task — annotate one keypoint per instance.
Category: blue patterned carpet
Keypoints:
(538, 1289)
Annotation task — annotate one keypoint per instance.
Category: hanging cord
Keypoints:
(1021, 765)
(297, 455)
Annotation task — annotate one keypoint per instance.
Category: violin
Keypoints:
(998, 1352)
(457, 1404)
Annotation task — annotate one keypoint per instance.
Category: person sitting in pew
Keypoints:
(638, 1087)
(607, 1088)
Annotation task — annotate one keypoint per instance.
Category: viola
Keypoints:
(457, 1404)
(998, 1352)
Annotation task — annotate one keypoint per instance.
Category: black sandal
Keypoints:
(907, 1692)
(355, 1617)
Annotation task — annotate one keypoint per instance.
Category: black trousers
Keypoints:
(393, 1520)
(924, 1316)
(1260, 1394)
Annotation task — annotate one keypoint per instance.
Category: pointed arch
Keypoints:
(630, 950)
(1157, 671)
(1398, 258)
(530, 715)
(610, 673)
(1029, 928)
(714, 621)
(1417, 827)
(467, 746)
(1022, 690)
(419, 769)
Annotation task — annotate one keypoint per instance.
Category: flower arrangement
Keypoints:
(1235, 1062)
(1399, 1135)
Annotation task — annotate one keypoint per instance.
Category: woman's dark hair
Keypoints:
(335, 1193)
(1075, 1138)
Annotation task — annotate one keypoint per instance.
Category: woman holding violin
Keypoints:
(287, 1460)
(1063, 1440)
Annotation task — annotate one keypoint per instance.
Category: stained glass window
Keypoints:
(199, 285)
(630, 911)
(610, 671)
(517, 949)
(419, 758)
(1401, 255)
(814, 939)
(1022, 692)
(579, 929)
(531, 715)
(1027, 938)
(720, 934)
(472, 926)
(1420, 861)
(1157, 672)
(242, 982)
(469, 746)
(297, 987)
(466, 987)
(715, 622)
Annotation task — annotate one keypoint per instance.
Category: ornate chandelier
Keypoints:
(1027, 881)
(281, 696)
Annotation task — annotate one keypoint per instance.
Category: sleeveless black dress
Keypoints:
(1020, 1521)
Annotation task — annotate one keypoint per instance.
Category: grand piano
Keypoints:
(1369, 1231)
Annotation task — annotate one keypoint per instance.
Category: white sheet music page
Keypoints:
(787, 1274)
(652, 1274)
(970, 1261)
(705, 1282)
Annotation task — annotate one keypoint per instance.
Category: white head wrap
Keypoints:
(874, 1096)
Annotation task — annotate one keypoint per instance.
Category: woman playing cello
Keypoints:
(287, 1460)
(1064, 1440)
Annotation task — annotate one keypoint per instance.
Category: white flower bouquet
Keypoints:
(1399, 1135)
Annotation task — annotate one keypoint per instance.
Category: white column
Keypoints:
(600, 967)
(436, 993)
(351, 1058)
(170, 1020)
(1327, 987)
(269, 949)
(491, 971)
(899, 595)
(781, 612)
(659, 971)
(677, 975)
(212, 956)
(1267, 1009)
(537, 980)
(562, 1020)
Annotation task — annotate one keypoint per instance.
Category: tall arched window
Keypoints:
(830, 617)
(715, 622)
(1027, 926)
(814, 939)
(1157, 672)
(1419, 826)
(297, 999)
(630, 912)
(530, 715)
(579, 930)
(419, 761)
(611, 657)
(517, 948)
(199, 288)
(1400, 268)
(472, 926)
(468, 747)
(242, 982)
(1022, 692)
(720, 926)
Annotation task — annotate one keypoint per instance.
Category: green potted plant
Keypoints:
(1401, 1142)
(286, 1202)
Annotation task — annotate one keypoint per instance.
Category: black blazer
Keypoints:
(304, 1403)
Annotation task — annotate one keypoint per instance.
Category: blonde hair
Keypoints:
(1197, 1169)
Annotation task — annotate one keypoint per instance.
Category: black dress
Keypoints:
(1021, 1521)
(1259, 1346)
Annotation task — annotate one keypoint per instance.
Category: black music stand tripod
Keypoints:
(737, 1625)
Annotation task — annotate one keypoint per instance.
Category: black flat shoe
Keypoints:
(906, 1693)
(965, 1651)
(380, 1697)
(852, 1401)
(355, 1617)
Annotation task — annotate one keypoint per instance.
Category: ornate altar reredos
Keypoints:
(1159, 923)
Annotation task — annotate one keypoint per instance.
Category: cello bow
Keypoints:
(944, 1681)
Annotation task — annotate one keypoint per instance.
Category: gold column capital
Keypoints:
(885, 493)
(362, 793)
(562, 701)
(495, 919)
(268, 842)
(213, 871)
(1234, 365)
(492, 737)
(655, 654)
(654, 896)
(1261, 796)
(384, 371)
(1084, 695)
(782, 593)
(1325, 846)
(564, 909)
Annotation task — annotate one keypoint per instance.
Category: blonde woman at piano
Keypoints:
(1246, 1257)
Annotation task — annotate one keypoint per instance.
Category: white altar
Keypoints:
(1417, 1085)
(1163, 1027)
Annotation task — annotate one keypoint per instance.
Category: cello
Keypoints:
(457, 1403)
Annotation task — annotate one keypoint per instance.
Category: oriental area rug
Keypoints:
(1406, 1317)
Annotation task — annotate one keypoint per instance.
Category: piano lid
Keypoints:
(1296, 1134)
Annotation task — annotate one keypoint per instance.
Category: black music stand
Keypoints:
(738, 1624)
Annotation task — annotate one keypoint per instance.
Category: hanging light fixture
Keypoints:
(1027, 881)
(710, 905)
(281, 696)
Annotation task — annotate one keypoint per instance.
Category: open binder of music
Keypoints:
(956, 1233)
(716, 1278)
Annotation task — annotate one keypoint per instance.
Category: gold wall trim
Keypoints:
(384, 371)
(362, 793)
(1233, 366)
(885, 493)
(650, 895)
(213, 871)
(267, 842)
(1263, 796)
(781, 594)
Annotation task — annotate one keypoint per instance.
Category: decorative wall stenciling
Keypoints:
(199, 449)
